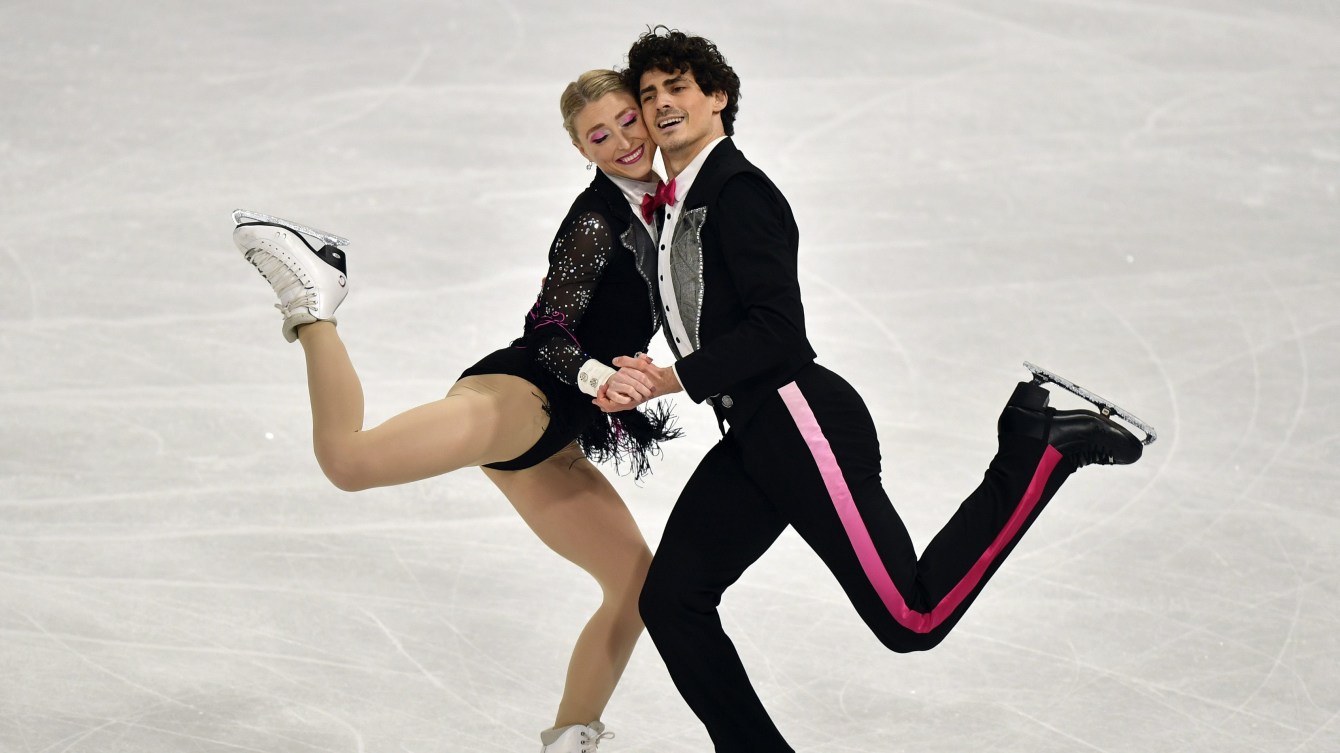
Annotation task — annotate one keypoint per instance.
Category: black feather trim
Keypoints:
(630, 437)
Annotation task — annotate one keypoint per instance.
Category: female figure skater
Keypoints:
(527, 414)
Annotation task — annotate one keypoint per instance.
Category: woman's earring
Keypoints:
(590, 165)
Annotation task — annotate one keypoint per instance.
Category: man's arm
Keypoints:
(756, 234)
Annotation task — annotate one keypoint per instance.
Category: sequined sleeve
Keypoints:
(576, 261)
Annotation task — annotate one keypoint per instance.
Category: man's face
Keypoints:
(679, 116)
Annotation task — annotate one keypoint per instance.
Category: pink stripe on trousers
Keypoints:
(864, 546)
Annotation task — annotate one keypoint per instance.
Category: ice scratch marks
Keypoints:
(1306, 744)
(1281, 448)
(518, 20)
(329, 124)
(408, 526)
(1160, 693)
(84, 658)
(1279, 663)
(1030, 36)
(874, 319)
(1052, 728)
(16, 290)
(861, 110)
(357, 736)
(176, 733)
(400, 648)
(1151, 125)
(1255, 107)
(1299, 339)
(68, 642)
(74, 741)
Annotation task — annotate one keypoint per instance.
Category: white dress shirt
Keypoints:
(683, 182)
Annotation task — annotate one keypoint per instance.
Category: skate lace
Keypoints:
(589, 744)
(294, 292)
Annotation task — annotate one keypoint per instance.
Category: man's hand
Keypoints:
(662, 381)
(629, 387)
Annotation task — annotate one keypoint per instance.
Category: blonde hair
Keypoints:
(588, 88)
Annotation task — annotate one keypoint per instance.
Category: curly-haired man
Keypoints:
(801, 449)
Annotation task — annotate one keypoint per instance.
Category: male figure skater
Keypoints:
(801, 449)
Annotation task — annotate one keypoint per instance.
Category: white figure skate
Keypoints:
(577, 738)
(1108, 408)
(310, 280)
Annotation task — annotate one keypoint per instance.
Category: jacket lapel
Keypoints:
(634, 238)
(686, 270)
(686, 248)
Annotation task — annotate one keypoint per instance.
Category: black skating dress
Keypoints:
(597, 302)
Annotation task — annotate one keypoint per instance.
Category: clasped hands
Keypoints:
(637, 381)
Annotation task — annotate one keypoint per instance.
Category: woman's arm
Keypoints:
(577, 259)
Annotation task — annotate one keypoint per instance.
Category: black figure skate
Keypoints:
(1106, 407)
(1085, 437)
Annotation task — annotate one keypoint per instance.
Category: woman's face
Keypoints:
(611, 134)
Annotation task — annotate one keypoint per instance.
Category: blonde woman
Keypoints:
(529, 415)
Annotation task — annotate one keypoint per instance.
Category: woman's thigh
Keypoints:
(577, 513)
(483, 419)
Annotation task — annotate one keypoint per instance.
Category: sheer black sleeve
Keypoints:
(577, 259)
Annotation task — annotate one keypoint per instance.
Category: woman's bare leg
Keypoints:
(483, 419)
(573, 508)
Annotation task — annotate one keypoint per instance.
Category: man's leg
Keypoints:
(719, 527)
(836, 501)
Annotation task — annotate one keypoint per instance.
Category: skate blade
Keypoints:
(242, 215)
(1106, 407)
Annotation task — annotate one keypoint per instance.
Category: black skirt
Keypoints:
(628, 437)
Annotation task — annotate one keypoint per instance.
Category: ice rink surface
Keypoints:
(1139, 195)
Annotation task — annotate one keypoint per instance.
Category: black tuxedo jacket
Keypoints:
(733, 266)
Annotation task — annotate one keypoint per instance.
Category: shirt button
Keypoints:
(678, 340)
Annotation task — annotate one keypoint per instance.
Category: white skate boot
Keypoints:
(577, 738)
(311, 282)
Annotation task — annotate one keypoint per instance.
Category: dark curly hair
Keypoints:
(673, 51)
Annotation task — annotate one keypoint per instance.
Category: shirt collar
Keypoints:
(684, 181)
(634, 190)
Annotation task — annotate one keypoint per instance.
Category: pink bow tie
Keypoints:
(665, 196)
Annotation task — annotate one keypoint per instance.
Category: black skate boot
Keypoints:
(1081, 436)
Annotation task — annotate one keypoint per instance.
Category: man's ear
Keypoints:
(719, 101)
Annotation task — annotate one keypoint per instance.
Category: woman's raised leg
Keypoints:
(483, 419)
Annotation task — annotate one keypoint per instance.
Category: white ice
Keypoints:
(1139, 195)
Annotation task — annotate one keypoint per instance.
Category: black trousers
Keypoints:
(810, 459)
